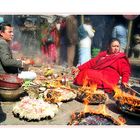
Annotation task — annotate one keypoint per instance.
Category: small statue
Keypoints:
(136, 48)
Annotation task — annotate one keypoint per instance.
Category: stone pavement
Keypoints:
(63, 116)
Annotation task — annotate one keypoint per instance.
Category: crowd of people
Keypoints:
(66, 36)
(61, 39)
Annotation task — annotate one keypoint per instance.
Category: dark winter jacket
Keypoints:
(7, 63)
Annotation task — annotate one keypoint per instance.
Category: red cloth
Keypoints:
(104, 70)
(50, 50)
(56, 37)
(52, 54)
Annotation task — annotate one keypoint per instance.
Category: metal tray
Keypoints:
(122, 108)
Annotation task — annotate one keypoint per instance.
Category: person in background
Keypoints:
(51, 51)
(67, 28)
(105, 69)
(57, 38)
(1, 19)
(61, 27)
(120, 31)
(7, 63)
(72, 38)
(85, 33)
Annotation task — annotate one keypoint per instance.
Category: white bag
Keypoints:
(30, 75)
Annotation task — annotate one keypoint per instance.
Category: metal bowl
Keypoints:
(10, 81)
(11, 94)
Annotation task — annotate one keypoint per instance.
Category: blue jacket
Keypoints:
(120, 32)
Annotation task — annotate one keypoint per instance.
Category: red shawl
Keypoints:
(104, 69)
(102, 60)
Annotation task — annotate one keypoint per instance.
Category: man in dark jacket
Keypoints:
(7, 63)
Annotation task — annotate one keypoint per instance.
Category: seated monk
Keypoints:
(106, 69)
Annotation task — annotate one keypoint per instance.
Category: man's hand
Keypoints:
(28, 62)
